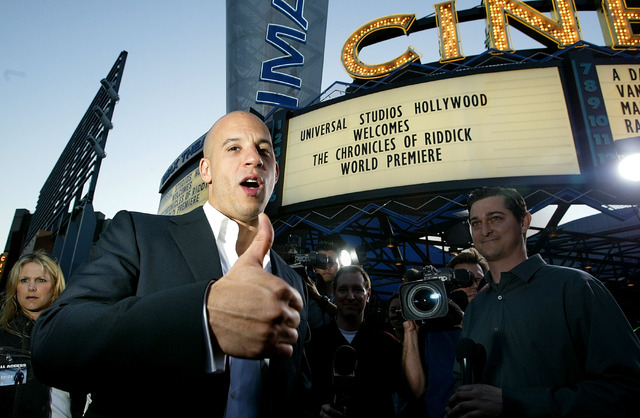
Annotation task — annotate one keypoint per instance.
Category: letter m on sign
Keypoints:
(270, 71)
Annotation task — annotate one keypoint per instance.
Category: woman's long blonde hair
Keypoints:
(10, 306)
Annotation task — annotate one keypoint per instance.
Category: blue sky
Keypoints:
(54, 53)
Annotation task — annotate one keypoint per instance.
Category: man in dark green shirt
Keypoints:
(556, 341)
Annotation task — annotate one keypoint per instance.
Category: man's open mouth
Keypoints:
(251, 183)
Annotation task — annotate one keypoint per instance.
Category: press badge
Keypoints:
(13, 366)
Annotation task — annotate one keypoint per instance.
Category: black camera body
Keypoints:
(312, 258)
(429, 297)
(300, 262)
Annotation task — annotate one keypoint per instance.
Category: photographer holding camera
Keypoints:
(322, 308)
(429, 345)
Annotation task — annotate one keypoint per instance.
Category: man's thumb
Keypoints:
(263, 240)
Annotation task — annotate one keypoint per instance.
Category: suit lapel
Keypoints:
(277, 267)
(195, 239)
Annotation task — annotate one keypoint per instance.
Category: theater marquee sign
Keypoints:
(506, 124)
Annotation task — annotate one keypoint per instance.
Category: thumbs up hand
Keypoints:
(252, 313)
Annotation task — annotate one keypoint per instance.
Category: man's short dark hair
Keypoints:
(469, 256)
(513, 200)
(327, 246)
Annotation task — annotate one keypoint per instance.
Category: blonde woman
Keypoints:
(34, 282)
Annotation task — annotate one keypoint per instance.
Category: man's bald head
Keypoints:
(239, 166)
(207, 148)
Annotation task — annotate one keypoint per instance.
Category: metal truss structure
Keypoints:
(391, 236)
(64, 206)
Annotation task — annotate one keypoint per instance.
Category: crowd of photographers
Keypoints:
(539, 341)
(403, 365)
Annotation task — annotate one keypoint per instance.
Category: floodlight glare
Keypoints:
(628, 150)
(629, 167)
(345, 258)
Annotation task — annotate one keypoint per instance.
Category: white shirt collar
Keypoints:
(225, 231)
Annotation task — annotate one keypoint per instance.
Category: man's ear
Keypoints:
(205, 170)
(277, 172)
(526, 222)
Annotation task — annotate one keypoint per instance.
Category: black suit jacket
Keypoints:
(129, 327)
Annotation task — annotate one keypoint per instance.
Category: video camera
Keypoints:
(299, 262)
(429, 297)
(313, 259)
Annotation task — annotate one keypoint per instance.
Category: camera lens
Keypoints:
(426, 299)
(423, 299)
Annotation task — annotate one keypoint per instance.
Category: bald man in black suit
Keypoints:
(168, 308)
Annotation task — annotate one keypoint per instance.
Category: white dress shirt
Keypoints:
(247, 377)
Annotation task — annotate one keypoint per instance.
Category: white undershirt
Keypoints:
(348, 335)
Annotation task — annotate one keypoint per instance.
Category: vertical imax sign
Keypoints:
(275, 53)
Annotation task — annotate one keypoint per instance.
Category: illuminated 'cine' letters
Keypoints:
(618, 18)
(449, 35)
(561, 29)
(351, 49)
